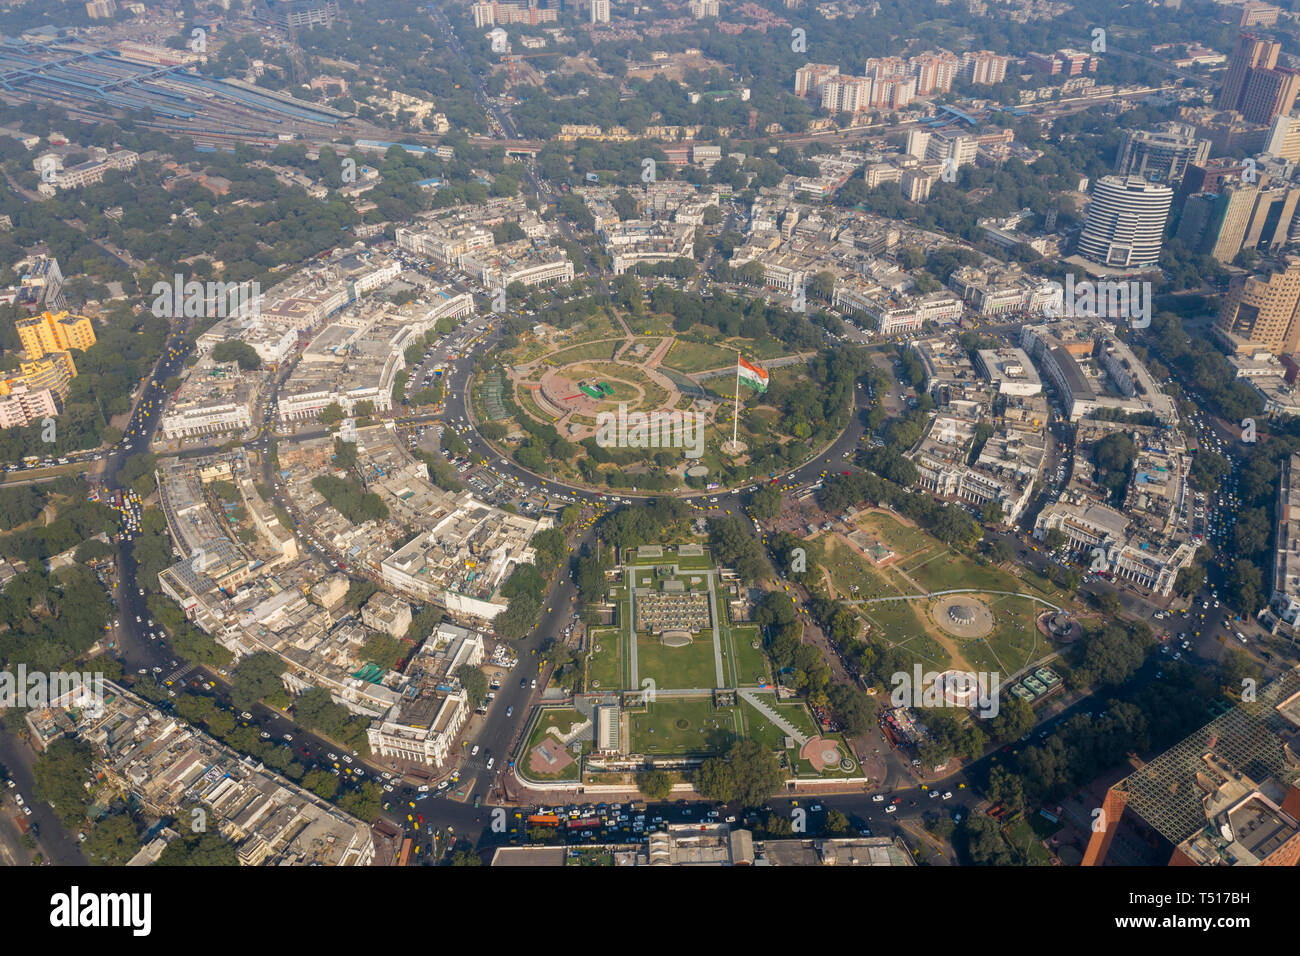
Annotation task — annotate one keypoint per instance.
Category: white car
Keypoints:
(947, 794)
(288, 737)
(891, 809)
(423, 788)
(878, 798)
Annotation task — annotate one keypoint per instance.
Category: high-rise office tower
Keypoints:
(1252, 52)
(1160, 155)
(1125, 224)
(1284, 139)
(1269, 93)
(1262, 309)
(600, 11)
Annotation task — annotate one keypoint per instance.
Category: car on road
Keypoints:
(289, 737)
(947, 794)
(878, 798)
(474, 751)
(891, 809)
(423, 788)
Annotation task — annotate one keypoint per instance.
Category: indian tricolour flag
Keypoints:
(751, 375)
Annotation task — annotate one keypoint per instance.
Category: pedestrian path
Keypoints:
(935, 594)
(771, 714)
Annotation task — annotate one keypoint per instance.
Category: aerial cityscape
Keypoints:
(650, 433)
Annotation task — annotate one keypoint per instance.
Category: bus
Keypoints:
(404, 858)
(543, 820)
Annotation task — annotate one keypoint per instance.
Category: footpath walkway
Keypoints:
(935, 594)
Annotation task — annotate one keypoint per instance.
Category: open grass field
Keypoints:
(944, 571)
(755, 726)
(900, 538)
(562, 718)
(606, 666)
(899, 623)
(597, 326)
(599, 351)
(851, 574)
(743, 665)
(677, 668)
(682, 727)
(762, 349)
(1014, 642)
(758, 728)
(788, 375)
(1026, 844)
(650, 324)
(692, 357)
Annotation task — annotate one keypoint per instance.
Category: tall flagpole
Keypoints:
(735, 419)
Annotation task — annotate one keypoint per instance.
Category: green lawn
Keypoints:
(606, 665)
(760, 729)
(899, 537)
(849, 570)
(590, 351)
(944, 572)
(747, 665)
(757, 727)
(677, 668)
(897, 622)
(682, 727)
(562, 718)
(1015, 641)
(697, 357)
(761, 349)
(1026, 844)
